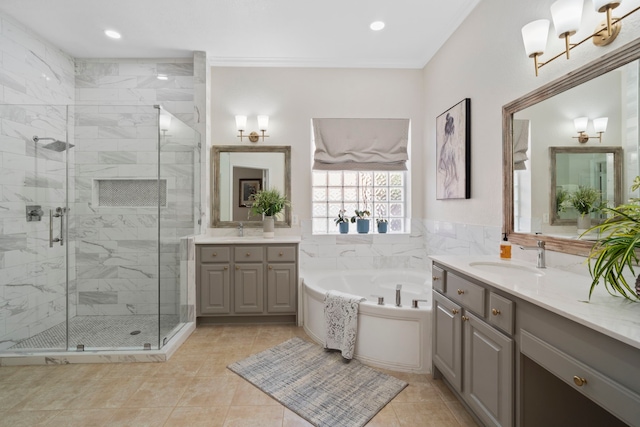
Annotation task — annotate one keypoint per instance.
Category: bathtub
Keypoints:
(389, 337)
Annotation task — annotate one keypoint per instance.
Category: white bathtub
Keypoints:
(389, 337)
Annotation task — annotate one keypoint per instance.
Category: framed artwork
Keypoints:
(453, 152)
(248, 187)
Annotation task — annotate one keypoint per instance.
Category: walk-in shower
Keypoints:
(94, 210)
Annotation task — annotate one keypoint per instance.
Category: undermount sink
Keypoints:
(506, 268)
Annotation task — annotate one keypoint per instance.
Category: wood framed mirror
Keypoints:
(239, 170)
(521, 233)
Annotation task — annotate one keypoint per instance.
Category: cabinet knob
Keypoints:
(435, 278)
(579, 381)
(237, 267)
(495, 311)
(280, 254)
(454, 311)
(460, 291)
(270, 267)
(215, 254)
(465, 318)
(226, 268)
(248, 254)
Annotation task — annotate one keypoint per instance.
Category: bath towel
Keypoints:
(341, 319)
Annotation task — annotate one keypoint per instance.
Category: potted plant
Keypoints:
(382, 225)
(585, 200)
(617, 250)
(342, 222)
(268, 203)
(362, 224)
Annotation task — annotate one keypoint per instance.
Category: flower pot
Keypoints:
(268, 227)
(344, 227)
(382, 227)
(362, 226)
(584, 222)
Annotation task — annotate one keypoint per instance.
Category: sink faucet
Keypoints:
(541, 263)
(241, 230)
(398, 302)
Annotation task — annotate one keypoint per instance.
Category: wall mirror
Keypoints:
(573, 168)
(238, 172)
(544, 118)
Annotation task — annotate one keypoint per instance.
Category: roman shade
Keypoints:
(520, 143)
(360, 144)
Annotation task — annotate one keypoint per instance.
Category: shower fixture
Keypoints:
(55, 145)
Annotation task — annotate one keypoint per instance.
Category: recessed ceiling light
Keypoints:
(377, 25)
(113, 34)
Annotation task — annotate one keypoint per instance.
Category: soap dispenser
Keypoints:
(505, 248)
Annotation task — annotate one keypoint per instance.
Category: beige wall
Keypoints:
(293, 96)
(484, 60)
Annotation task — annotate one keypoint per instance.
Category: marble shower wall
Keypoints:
(36, 83)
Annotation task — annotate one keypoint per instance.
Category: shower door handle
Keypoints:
(59, 213)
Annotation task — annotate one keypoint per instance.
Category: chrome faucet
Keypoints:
(541, 263)
(398, 302)
(241, 230)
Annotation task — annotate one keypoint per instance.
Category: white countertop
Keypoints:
(234, 240)
(561, 292)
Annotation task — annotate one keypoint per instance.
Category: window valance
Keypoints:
(360, 144)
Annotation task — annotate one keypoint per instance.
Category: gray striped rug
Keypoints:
(319, 385)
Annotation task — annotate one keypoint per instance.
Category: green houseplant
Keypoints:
(362, 222)
(382, 225)
(585, 200)
(617, 250)
(342, 222)
(268, 203)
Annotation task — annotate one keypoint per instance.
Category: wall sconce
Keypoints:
(567, 15)
(241, 125)
(599, 125)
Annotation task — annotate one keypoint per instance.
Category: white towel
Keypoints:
(341, 320)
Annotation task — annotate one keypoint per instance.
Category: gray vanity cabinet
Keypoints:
(250, 282)
(475, 358)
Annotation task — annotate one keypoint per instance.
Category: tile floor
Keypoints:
(193, 389)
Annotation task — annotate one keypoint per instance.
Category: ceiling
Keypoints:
(327, 33)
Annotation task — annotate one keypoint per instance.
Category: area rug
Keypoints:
(319, 385)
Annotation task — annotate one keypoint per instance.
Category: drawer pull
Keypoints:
(226, 268)
(435, 278)
(495, 311)
(248, 254)
(455, 311)
(460, 291)
(237, 267)
(270, 267)
(579, 381)
(465, 318)
(280, 254)
(214, 254)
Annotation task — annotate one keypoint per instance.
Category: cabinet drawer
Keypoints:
(248, 253)
(466, 293)
(501, 312)
(438, 277)
(281, 254)
(612, 396)
(214, 254)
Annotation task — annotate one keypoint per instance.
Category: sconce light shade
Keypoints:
(600, 124)
(263, 123)
(602, 5)
(165, 122)
(567, 16)
(535, 35)
(241, 123)
(581, 124)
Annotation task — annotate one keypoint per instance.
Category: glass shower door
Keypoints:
(33, 246)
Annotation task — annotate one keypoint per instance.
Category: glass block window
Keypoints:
(131, 192)
(383, 193)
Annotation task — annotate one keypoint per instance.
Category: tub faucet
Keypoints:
(398, 302)
(241, 230)
(541, 263)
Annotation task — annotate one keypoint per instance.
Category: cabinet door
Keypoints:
(488, 372)
(248, 288)
(447, 339)
(215, 295)
(281, 288)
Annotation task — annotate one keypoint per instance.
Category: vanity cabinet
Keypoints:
(236, 283)
(474, 356)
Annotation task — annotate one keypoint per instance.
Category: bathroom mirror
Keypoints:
(597, 168)
(238, 172)
(606, 87)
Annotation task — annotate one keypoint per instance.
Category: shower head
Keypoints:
(55, 145)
